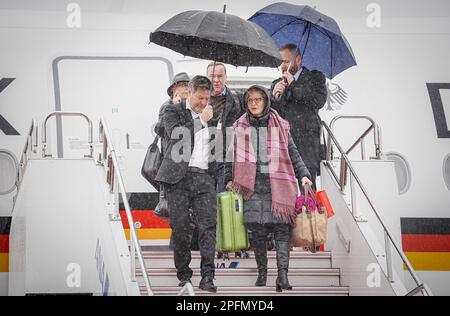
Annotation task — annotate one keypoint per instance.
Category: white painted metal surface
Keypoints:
(351, 252)
(61, 230)
(380, 180)
(4, 284)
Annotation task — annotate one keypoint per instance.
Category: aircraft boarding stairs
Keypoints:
(309, 274)
(67, 236)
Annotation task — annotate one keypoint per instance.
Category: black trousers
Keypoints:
(196, 191)
(260, 233)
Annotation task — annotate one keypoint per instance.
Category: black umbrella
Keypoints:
(220, 37)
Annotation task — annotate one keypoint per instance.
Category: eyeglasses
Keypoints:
(255, 100)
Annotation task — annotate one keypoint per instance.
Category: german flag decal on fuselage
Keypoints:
(426, 243)
(5, 227)
(150, 226)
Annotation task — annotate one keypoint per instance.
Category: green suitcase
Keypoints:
(231, 232)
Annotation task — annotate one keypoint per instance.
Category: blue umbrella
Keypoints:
(318, 36)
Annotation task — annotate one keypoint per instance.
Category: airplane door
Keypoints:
(8, 181)
(127, 92)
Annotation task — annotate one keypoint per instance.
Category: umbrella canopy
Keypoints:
(220, 37)
(318, 36)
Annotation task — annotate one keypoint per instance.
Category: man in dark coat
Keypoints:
(189, 179)
(178, 93)
(227, 106)
(298, 96)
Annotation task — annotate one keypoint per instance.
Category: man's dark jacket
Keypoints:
(300, 105)
(227, 109)
(159, 128)
(171, 172)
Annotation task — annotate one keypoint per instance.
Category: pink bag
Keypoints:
(311, 204)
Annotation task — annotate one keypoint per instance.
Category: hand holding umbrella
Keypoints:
(318, 36)
(279, 90)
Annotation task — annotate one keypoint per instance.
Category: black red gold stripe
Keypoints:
(426, 243)
(5, 225)
(151, 227)
(142, 201)
(429, 261)
(4, 243)
(4, 262)
(425, 226)
(5, 228)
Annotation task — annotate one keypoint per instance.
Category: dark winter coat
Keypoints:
(227, 109)
(258, 209)
(176, 116)
(300, 105)
(159, 128)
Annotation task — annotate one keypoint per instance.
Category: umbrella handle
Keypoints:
(279, 95)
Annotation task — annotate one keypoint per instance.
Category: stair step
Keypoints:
(297, 260)
(255, 291)
(247, 276)
(270, 254)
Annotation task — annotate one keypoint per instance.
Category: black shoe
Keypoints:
(184, 282)
(223, 255)
(283, 250)
(207, 284)
(245, 254)
(282, 282)
(262, 279)
(261, 262)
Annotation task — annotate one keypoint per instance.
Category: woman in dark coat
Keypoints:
(266, 170)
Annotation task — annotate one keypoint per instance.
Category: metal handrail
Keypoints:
(377, 136)
(135, 244)
(61, 114)
(188, 288)
(28, 144)
(388, 234)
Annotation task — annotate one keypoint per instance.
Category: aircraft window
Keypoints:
(402, 170)
(447, 171)
(8, 172)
